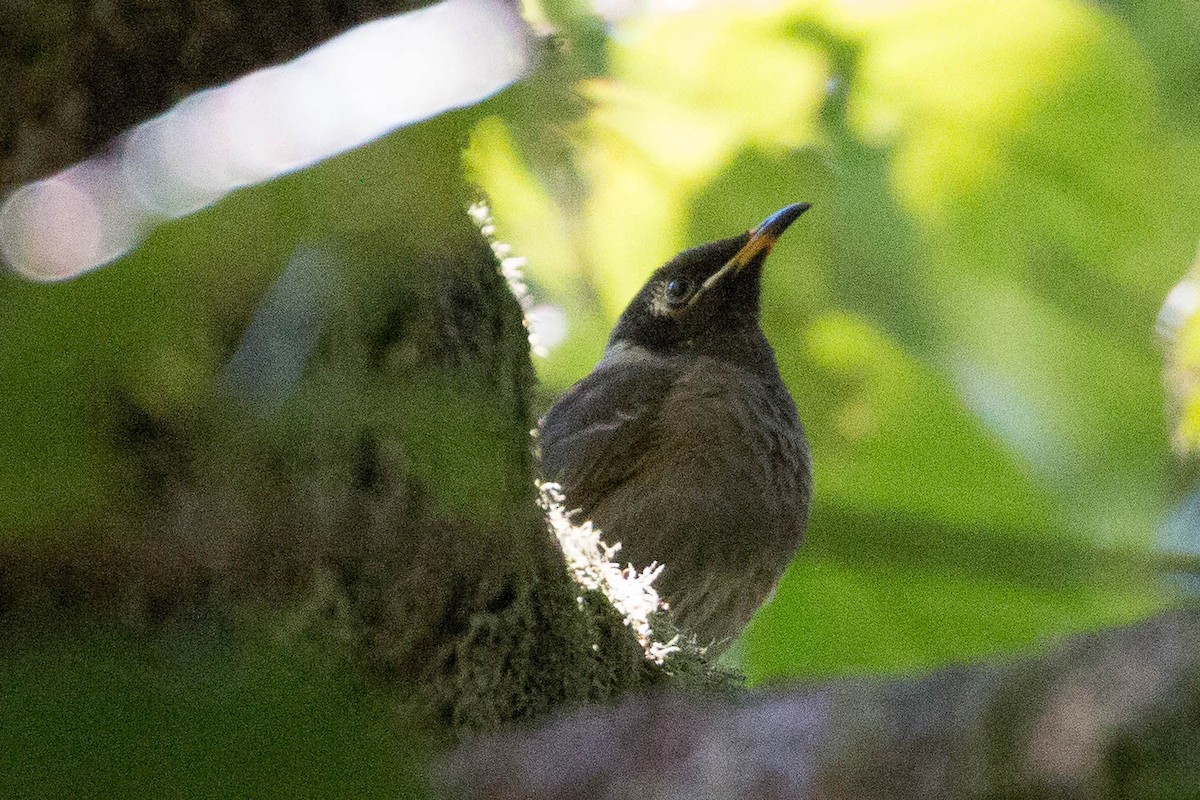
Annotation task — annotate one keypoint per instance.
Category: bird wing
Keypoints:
(599, 433)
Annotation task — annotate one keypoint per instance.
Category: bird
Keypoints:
(683, 443)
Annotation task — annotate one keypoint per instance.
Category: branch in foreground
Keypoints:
(1109, 714)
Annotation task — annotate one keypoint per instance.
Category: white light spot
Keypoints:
(1182, 303)
(547, 324)
(48, 228)
(56, 228)
(350, 90)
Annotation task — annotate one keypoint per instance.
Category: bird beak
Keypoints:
(761, 240)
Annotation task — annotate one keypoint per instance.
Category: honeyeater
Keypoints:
(683, 442)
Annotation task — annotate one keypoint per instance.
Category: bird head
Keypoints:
(705, 299)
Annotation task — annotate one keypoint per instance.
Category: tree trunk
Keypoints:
(373, 514)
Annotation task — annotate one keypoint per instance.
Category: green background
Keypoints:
(1002, 196)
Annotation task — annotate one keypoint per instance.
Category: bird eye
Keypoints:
(677, 291)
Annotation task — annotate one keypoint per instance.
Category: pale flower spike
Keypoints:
(590, 560)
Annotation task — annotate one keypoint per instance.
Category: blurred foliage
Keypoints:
(1003, 195)
(90, 714)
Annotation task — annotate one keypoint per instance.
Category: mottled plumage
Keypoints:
(683, 443)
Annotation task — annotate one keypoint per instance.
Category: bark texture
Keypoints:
(1113, 714)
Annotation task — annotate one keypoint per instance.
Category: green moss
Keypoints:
(376, 508)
